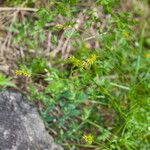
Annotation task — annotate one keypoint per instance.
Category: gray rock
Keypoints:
(21, 127)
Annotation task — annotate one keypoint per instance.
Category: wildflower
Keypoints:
(91, 60)
(18, 72)
(94, 57)
(60, 26)
(147, 55)
(67, 27)
(84, 64)
(74, 61)
(26, 74)
(22, 72)
(88, 138)
(71, 59)
(126, 34)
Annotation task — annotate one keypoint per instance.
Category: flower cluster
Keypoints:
(83, 64)
(61, 26)
(91, 60)
(74, 61)
(22, 73)
(88, 138)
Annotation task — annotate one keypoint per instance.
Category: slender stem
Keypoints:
(140, 52)
(120, 86)
(96, 125)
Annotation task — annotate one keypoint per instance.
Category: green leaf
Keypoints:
(54, 39)
(45, 16)
(61, 9)
(5, 81)
(81, 97)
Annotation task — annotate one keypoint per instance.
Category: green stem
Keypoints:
(140, 52)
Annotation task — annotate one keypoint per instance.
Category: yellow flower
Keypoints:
(18, 72)
(84, 64)
(75, 61)
(67, 27)
(22, 72)
(91, 60)
(26, 74)
(93, 57)
(81, 63)
(126, 34)
(88, 138)
(59, 26)
(71, 59)
(147, 55)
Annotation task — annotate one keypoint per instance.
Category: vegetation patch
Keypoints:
(85, 65)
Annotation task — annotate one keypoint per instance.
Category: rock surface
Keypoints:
(21, 127)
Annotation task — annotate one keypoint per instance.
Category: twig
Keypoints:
(49, 43)
(19, 9)
(66, 42)
(67, 51)
(58, 48)
(51, 130)
(89, 38)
